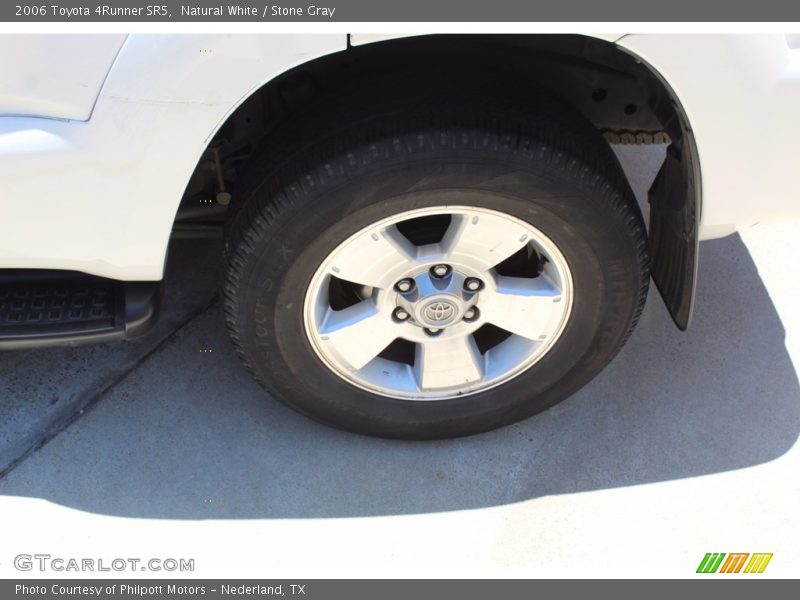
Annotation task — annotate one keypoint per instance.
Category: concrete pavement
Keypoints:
(685, 444)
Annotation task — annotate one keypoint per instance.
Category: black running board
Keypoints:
(63, 308)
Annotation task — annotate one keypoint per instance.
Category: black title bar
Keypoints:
(464, 11)
(348, 589)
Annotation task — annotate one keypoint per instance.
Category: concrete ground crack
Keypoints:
(93, 399)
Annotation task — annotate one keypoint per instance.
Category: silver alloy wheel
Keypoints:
(399, 291)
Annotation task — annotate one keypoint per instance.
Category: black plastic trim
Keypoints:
(675, 209)
(132, 310)
(673, 237)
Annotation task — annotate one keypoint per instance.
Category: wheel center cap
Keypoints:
(439, 312)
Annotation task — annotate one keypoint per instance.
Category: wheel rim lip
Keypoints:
(542, 243)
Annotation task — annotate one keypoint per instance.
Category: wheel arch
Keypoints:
(623, 96)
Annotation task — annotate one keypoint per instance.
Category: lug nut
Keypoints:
(473, 284)
(400, 314)
(431, 331)
(471, 314)
(440, 271)
(405, 286)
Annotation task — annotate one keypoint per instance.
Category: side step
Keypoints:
(58, 308)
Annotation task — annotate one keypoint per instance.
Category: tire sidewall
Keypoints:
(275, 280)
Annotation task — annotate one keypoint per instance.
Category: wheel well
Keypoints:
(624, 98)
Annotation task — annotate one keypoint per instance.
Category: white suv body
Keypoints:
(99, 134)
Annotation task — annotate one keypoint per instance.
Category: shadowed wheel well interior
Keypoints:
(621, 96)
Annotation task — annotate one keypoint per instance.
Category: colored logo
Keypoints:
(734, 563)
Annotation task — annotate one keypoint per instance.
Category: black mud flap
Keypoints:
(673, 238)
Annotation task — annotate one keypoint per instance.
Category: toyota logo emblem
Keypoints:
(439, 312)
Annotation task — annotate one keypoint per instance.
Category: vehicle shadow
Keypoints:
(189, 436)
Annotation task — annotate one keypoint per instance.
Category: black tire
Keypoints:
(529, 157)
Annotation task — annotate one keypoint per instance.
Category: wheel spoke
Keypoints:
(527, 307)
(358, 333)
(485, 238)
(368, 258)
(384, 342)
(448, 362)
